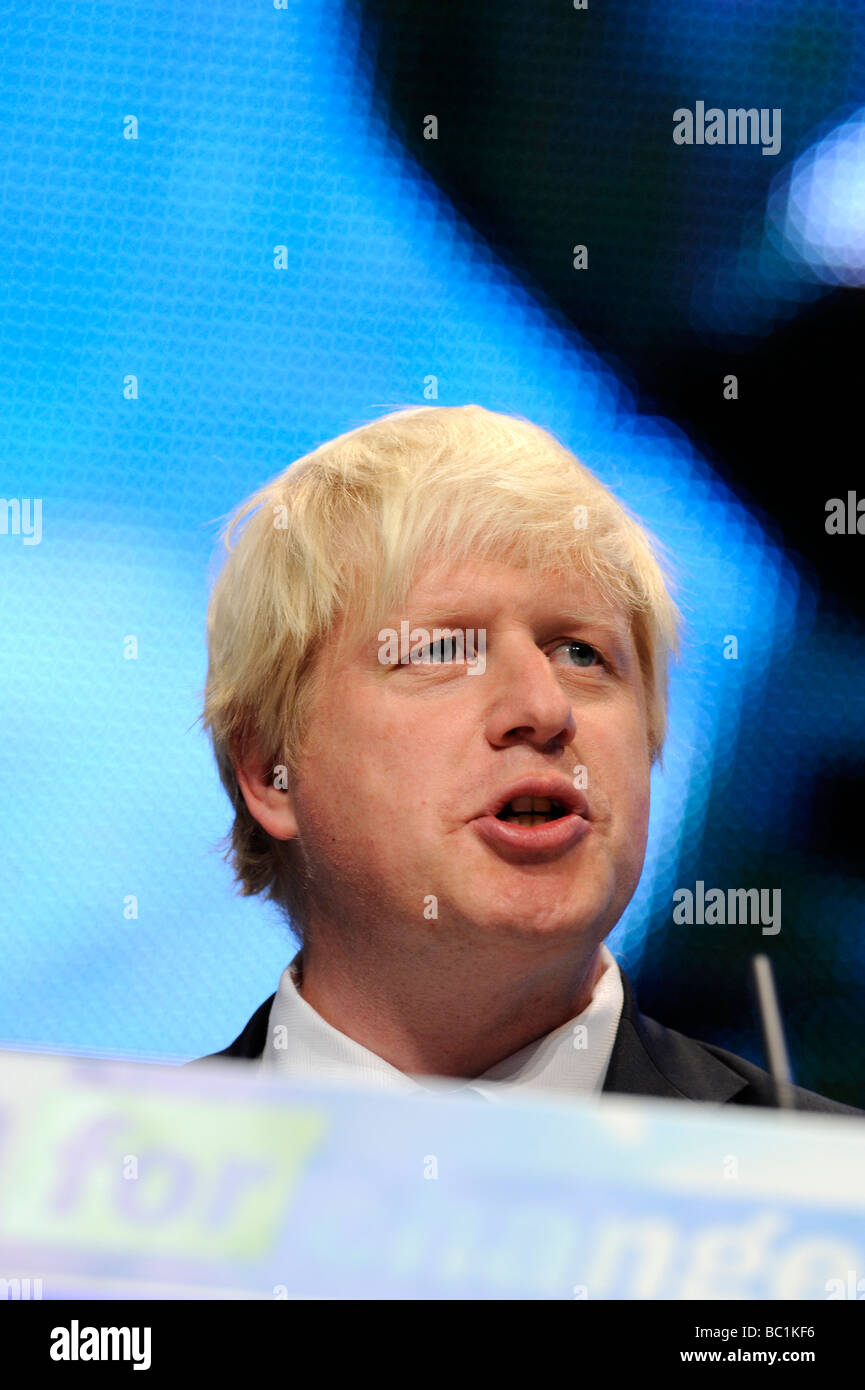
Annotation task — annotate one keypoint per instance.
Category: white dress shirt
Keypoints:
(571, 1060)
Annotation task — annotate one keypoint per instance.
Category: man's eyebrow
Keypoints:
(467, 614)
(577, 617)
(425, 615)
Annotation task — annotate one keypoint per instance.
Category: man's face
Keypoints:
(401, 761)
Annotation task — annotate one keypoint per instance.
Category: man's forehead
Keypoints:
(444, 590)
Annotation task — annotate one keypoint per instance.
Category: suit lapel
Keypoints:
(650, 1060)
(250, 1043)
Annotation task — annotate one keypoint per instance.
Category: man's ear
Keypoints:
(266, 793)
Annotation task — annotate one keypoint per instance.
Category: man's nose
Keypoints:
(527, 701)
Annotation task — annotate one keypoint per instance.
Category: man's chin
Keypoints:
(531, 919)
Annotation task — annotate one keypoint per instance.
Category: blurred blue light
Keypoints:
(823, 217)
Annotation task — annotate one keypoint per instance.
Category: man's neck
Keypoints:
(447, 1017)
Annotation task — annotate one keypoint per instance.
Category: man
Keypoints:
(437, 687)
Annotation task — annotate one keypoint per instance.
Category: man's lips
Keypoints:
(535, 843)
(527, 843)
(550, 785)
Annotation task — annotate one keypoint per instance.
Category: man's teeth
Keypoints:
(530, 810)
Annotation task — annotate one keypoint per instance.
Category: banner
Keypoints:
(128, 1181)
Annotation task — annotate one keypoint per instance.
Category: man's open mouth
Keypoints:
(532, 810)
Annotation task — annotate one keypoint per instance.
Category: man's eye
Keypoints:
(456, 649)
(443, 650)
(580, 654)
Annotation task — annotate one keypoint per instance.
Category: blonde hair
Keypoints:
(340, 537)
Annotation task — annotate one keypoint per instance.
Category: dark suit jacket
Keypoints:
(647, 1060)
